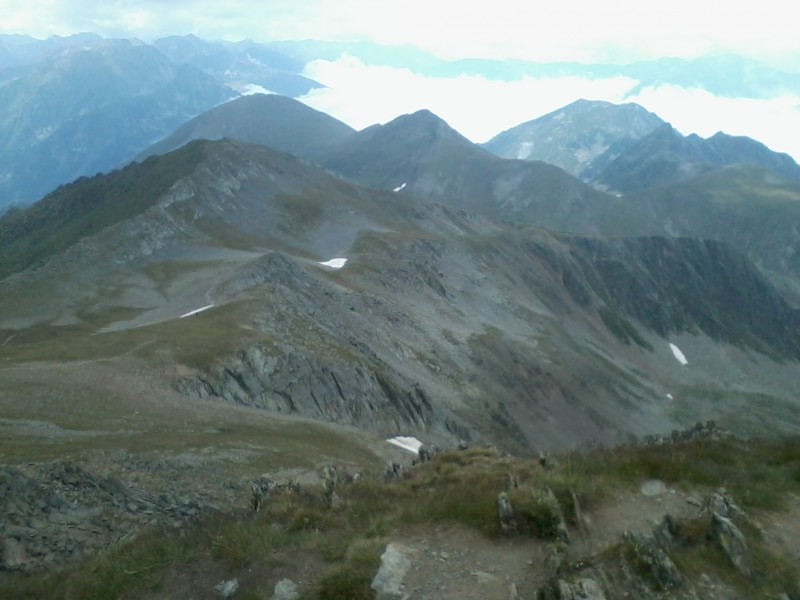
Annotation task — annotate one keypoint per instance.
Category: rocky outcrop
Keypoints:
(388, 584)
(584, 589)
(725, 535)
(642, 565)
(59, 511)
(508, 524)
(653, 561)
(284, 379)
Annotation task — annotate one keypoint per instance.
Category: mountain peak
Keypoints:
(580, 137)
(422, 118)
(270, 120)
(422, 123)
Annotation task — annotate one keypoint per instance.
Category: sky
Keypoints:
(566, 30)
(586, 31)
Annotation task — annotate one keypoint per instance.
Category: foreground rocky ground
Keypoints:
(646, 521)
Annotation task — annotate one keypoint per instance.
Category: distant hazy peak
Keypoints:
(424, 122)
(580, 137)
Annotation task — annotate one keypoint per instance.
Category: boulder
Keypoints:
(286, 589)
(227, 589)
(583, 589)
(654, 487)
(13, 555)
(389, 582)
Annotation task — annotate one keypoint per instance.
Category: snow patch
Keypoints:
(400, 187)
(334, 263)
(248, 89)
(195, 311)
(679, 356)
(411, 444)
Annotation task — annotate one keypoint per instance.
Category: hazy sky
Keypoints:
(556, 30)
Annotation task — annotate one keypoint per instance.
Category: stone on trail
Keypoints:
(227, 589)
(389, 583)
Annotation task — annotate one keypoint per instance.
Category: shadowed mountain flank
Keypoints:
(269, 120)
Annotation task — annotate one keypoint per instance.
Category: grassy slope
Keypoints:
(82, 209)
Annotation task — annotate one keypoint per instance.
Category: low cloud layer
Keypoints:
(479, 108)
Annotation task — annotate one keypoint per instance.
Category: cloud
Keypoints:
(572, 29)
(479, 108)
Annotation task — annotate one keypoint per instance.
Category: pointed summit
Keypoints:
(386, 156)
(420, 153)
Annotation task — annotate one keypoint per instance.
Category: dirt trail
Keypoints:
(454, 562)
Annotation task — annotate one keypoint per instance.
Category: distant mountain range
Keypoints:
(243, 66)
(87, 108)
(79, 105)
(132, 95)
(724, 75)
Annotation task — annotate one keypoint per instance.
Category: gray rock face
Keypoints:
(726, 536)
(508, 524)
(388, 583)
(285, 380)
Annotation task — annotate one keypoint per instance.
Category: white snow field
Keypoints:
(679, 356)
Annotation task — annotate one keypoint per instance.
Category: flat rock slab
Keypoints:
(654, 487)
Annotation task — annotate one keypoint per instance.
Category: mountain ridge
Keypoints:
(423, 323)
(666, 156)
